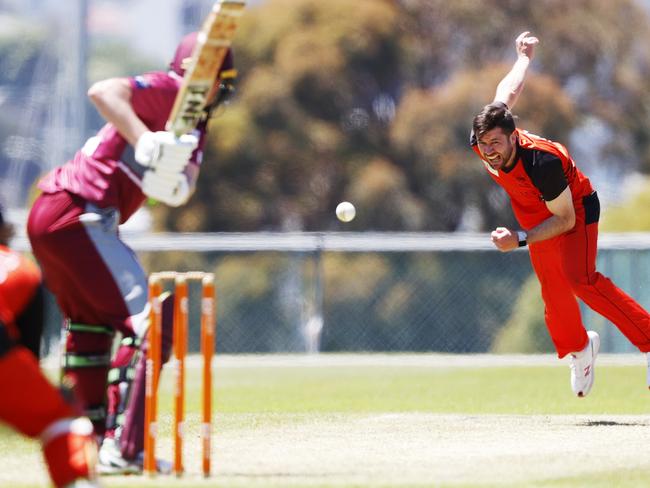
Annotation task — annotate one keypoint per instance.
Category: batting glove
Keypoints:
(172, 189)
(164, 150)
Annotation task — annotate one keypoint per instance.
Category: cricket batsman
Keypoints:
(30, 404)
(558, 211)
(97, 279)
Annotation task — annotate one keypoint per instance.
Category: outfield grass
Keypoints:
(267, 416)
(491, 390)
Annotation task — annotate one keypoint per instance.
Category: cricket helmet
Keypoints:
(225, 84)
(184, 53)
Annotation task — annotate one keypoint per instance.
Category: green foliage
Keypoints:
(525, 331)
(375, 105)
(430, 136)
(420, 311)
(630, 216)
(282, 159)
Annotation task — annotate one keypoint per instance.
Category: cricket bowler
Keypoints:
(558, 211)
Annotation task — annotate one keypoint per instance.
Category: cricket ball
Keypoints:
(345, 211)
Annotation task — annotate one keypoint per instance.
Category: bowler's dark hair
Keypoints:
(495, 114)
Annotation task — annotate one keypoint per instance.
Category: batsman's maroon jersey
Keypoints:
(102, 172)
(542, 170)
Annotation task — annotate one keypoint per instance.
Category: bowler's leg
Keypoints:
(598, 291)
(561, 311)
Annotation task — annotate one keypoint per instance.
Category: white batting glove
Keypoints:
(172, 189)
(164, 150)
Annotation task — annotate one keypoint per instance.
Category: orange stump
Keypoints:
(152, 375)
(181, 319)
(207, 349)
(180, 339)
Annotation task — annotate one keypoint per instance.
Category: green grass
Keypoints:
(492, 390)
(250, 398)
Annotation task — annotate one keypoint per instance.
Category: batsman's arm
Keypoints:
(112, 97)
(512, 84)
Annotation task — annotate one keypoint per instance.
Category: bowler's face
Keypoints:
(497, 148)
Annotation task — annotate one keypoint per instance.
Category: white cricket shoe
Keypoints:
(111, 462)
(83, 483)
(582, 366)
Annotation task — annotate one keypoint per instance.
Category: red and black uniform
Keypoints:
(30, 404)
(566, 264)
(21, 289)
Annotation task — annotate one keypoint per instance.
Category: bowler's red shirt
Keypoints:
(542, 170)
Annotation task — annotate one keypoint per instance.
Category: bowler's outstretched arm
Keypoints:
(512, 84)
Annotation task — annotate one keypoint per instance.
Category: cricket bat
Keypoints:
(213, 41)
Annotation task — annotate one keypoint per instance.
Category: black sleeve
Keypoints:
(30, 323)
(6, 343)
(547, 174)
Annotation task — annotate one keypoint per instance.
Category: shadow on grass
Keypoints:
(611, 423)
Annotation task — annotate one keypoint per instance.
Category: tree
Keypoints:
(372, 101)
(376, 104)
(308, 117)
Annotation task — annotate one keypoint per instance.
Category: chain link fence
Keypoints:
(375, 292)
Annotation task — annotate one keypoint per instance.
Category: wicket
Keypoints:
(179, 345)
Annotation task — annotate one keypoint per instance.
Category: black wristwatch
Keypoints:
(523, 238)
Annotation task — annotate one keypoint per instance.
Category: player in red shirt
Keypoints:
(30, 404)
(558, 211)
(97, 279)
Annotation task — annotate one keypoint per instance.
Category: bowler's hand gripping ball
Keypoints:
(345, 211)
